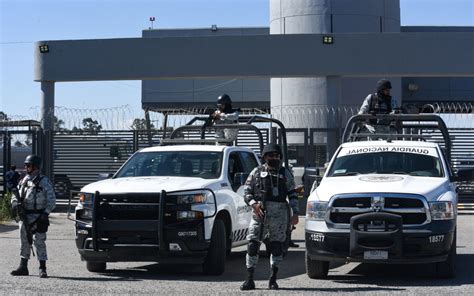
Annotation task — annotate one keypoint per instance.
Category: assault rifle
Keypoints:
(20, 215)
(263, 207)
(207, 123)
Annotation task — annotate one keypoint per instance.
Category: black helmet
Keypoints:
(269, 148)
(383, 84)
(34, 160)
(224, 99)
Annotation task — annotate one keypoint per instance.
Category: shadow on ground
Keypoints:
(235, 270)
(377, 277)
(8, 227)
(419, 275)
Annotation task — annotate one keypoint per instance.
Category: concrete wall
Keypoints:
(442, 89)
(257, 56)
(256, 92)
(202, 93)
(431, 89)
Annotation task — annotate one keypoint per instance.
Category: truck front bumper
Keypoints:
(178, 245)
(426, 244)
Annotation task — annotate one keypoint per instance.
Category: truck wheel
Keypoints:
(447, 269)
(316, 269)
(96, 266)
(214, 264)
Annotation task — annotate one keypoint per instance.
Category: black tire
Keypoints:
(316, 269)
(214, 264)
(447, 269)
(96, 266)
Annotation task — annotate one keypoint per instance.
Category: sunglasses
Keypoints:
(274, 154)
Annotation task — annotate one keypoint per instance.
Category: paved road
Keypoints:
(68, 275)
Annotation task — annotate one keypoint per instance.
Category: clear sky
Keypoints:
(23, 22)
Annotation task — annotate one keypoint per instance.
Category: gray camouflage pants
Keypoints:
(275, 229)
(39, 241)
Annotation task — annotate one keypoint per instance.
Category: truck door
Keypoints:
(241, 163)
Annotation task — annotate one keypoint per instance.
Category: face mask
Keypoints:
(274, 162)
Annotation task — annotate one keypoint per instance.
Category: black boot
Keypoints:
(293, 244)
(272, 283)
(249, 284)
(22, 269)
(42, 269)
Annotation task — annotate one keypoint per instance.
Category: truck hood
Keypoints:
(429, 187)
(147, 184)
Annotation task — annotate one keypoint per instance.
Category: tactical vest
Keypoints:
(272, 187)
(31, 194)
(379, 106)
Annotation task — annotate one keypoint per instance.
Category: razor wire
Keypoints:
(305, 116)
(456, 115)
(65, 118)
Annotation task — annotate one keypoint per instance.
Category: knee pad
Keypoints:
(275, 248)
(252, 248)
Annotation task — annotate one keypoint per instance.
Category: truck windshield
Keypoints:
(202, 164)
(387, 160)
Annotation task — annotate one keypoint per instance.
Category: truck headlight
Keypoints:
(442, 210)
(193, 197)
(316, 210)
(84, 208)
(86, 199)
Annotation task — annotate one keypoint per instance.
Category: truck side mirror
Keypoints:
(240, 178)
(103, 176)
(464, 175)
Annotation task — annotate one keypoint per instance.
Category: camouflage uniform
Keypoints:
(36, 199)
(373, 104)
(271, 188)
(227, 118)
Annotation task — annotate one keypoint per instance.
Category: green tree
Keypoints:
(139, 124)
(58, 124)
(91, 126)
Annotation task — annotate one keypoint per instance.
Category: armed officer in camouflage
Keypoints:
(225, 114)
(266, 191)
(33, 201)
(377, 103)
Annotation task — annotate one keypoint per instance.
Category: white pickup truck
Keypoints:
(181, 203)
(384, 200)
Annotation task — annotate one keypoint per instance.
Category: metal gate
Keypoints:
(15, 155)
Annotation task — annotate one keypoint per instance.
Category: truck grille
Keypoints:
(413, 208)
(128, 207)
(127, 219)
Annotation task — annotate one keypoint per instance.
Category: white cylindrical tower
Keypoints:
(315, 102)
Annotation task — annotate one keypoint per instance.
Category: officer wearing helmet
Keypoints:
(380, 102)
(225, 115)
(36, 197)
(266, 190)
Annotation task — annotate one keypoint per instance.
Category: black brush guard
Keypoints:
(160, 227)
(387, 237)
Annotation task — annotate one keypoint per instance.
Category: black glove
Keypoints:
(42, 223)
(43, 217)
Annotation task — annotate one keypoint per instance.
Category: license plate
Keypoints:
(376, 255)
